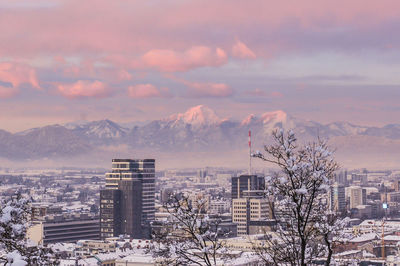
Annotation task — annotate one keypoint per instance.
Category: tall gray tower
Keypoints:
(142, 172)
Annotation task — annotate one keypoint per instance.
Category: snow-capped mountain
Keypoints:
(263, 125)
(196, 117)
(199, 129)
(345, 128)
(102, 130)
(75, 124)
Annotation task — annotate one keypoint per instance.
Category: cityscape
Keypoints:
(215, 133)
(108, 216)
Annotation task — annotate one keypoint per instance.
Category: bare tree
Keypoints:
(330, 226)
(305, 225)
(14, 221)
(189, 236)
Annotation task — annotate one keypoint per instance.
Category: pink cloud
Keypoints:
(262, 93)
(59, 60)
(18, 74)
(256, 92)
(7, 92)
(84, 88)
(122, 75)
(271, 13)
(147, 91)
(89, 69)
(84, 69)
(204, 89)
(276, 94)
(166, 60)
(209, 89)
(240, 50)
(125, 27)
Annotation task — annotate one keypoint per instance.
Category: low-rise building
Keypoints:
(65, 228)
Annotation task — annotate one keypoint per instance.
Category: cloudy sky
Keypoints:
(127, 61)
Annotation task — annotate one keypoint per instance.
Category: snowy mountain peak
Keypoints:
(75, 124)
(275, 116)
(102, 129)
(248, 120)
(197, 116)
(267, 119)
(105, 123)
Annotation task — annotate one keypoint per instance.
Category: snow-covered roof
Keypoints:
(60, 247)
(81, 262)
(244, 259)
(369, 223)
(364, 238)
(347, 253)
(366, 254)
(137, 257)
(392, 238)
(114, 255)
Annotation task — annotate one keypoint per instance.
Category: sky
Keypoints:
(69, 60)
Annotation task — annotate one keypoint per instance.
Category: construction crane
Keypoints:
(383, 238)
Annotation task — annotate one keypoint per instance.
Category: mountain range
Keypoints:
(198, 130)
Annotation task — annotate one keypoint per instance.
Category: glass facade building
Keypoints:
(110, 213)
(135, 181)
(143, 170)
(246, 182)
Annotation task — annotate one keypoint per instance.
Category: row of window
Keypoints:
(240, 203)
(107, 229)
(239, 216)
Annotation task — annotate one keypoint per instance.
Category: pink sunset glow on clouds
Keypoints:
(203, 89)
(276, 94)
(77, 27)
(263, 93)
(83, 88)
(87, 69)
(256, 92)
(240, 50)
(99, 49)
(209, 89)
(18, 74)
(147, 91)
(122, 74)
(184, 35)
(172, 61)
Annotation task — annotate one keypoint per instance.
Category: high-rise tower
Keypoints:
(135, 181)
(144, 170)
(246, 182)
(358, 196)
(337, 198)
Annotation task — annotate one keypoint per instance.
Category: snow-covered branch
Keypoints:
(189, 236)
(305, 225)
(15, 249)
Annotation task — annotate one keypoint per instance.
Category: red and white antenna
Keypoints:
(249, 152)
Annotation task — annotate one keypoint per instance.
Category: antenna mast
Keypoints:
(249, 152)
